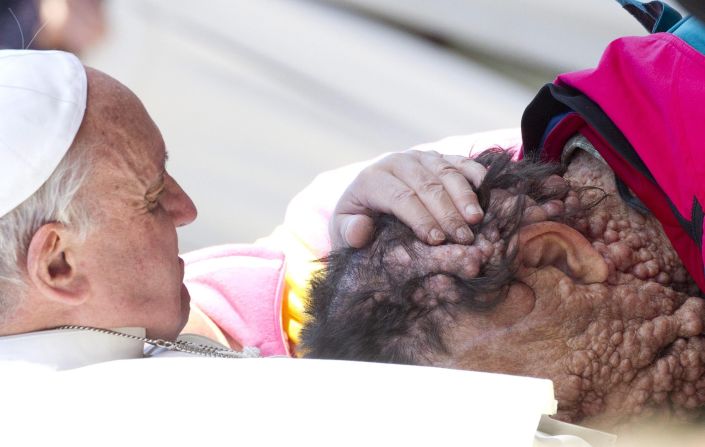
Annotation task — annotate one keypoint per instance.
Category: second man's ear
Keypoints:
(554, 244)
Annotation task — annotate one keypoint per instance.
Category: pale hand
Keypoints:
(431, 193)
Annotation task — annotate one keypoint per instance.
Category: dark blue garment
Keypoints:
(27, 14)
(695, 7)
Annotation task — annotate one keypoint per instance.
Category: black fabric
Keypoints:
(647, 16)
(554, 97)
(697, 222)
(656, 16)
(629, 198)
(535, 120)
(694, 226)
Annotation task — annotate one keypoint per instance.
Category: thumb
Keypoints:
(351, 230)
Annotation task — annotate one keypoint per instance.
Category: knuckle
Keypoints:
(360, 180)
(410, 153)
(431, 153)
(447, 170)
(469, 195)
(403, 195)
(431, 187)
(458, 231)
(373, 172)
(396, 156)
(451, 220)
(389, 159)
(370, 168)
(424, 224)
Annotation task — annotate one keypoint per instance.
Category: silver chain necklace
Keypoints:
(178, 346)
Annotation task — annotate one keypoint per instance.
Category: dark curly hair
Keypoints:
(365, 305)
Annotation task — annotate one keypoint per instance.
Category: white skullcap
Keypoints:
(42, 101)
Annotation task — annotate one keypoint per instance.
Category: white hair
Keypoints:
(55, 201)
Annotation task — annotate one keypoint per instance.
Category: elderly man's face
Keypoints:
(130, 258)
(595, 300)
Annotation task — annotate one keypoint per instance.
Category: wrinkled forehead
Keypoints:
(118, 129)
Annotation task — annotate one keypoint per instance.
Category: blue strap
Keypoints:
(692, 31)
(551, 124)
(656, 17)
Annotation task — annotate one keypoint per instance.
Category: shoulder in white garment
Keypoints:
(60, 349)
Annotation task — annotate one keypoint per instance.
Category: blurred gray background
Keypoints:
(255, 97)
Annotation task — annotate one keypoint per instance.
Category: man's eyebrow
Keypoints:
(166, 158)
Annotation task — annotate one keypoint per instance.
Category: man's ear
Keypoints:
(554, 244)
(51, 265)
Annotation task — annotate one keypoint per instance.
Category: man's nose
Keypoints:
(178, 204)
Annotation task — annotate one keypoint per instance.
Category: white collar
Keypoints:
(66, 349)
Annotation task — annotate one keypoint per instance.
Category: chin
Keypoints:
(185, 306)
(174, 319)
(173, 327)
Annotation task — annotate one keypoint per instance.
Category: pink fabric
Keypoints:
(240, 287)
(653, 89)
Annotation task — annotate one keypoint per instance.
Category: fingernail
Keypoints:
(464, 234)
(437, 235)
(472, 210)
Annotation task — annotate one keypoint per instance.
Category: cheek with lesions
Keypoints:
(635, 248)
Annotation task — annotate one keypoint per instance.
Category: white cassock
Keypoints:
(67, 349)
(62, 349)
(59, 377)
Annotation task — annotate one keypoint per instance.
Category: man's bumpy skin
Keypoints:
(637, 344)
(402, 294)
(630, 346)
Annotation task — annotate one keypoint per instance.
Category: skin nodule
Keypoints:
(563, 281)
